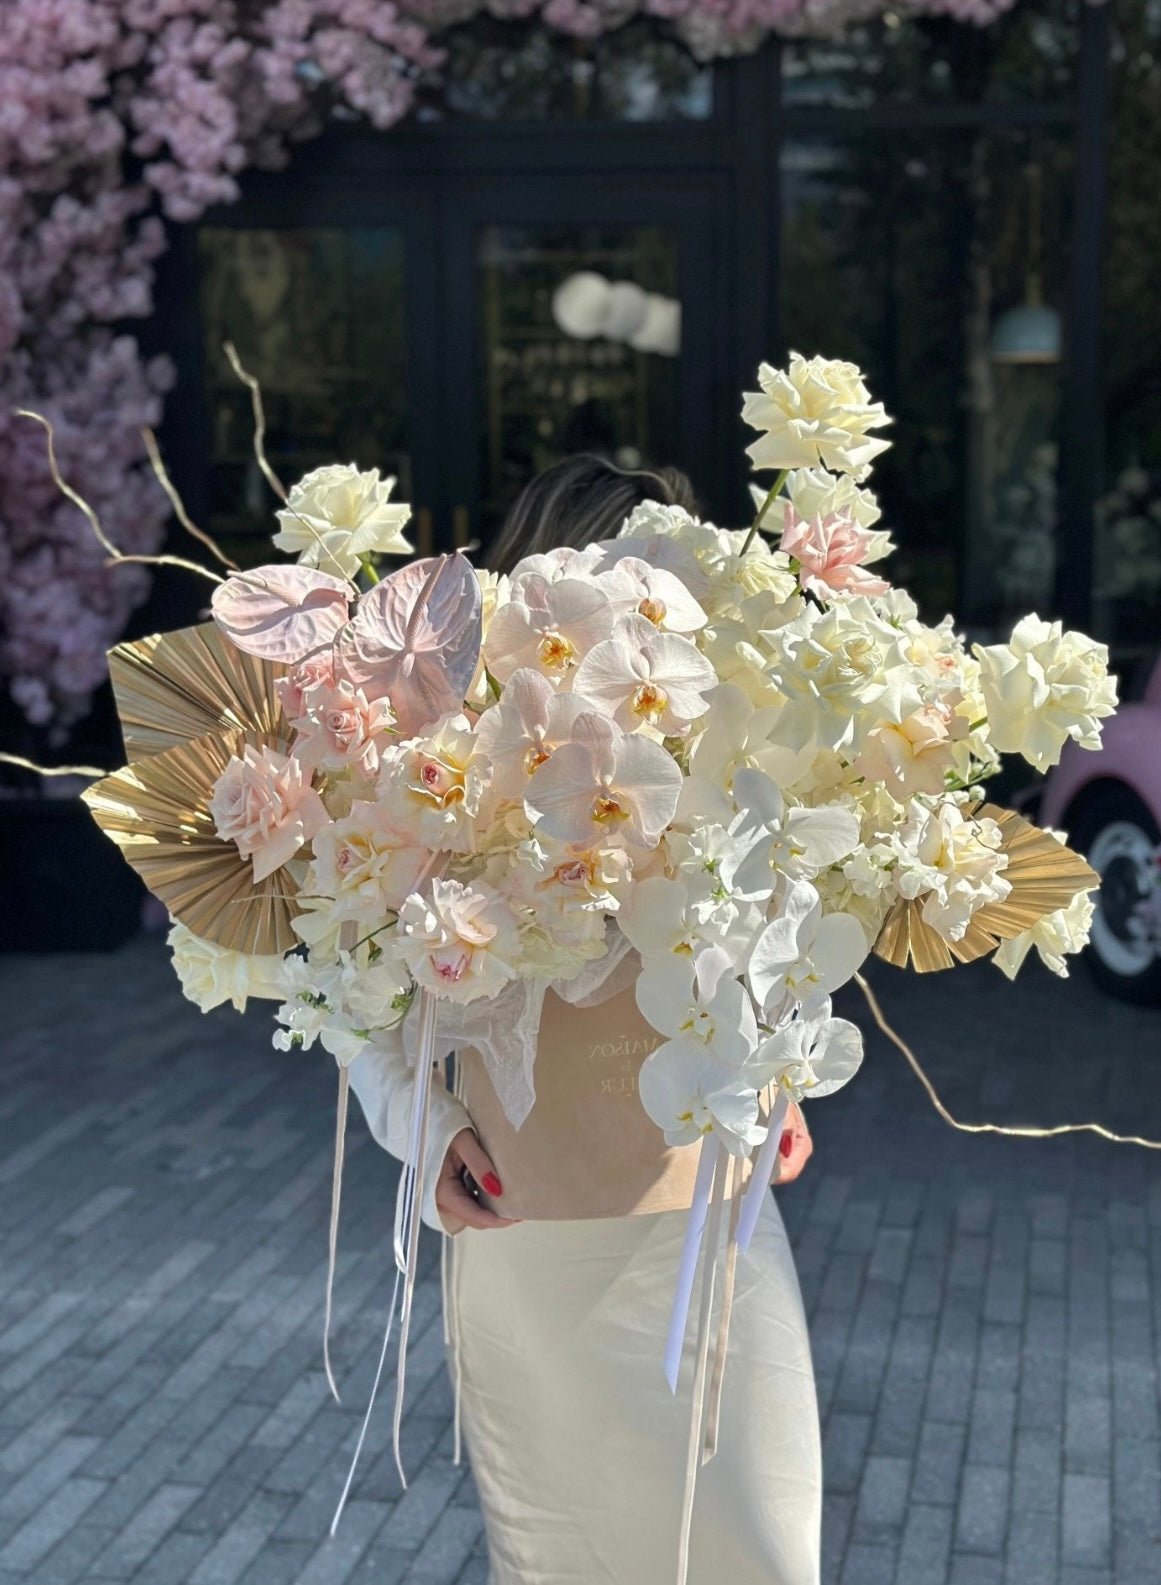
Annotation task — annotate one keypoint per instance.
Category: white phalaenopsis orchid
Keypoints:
(652, 592)
(674, 917)
(793, 842)
(643, 678)
(604, 788)
(687, 998)
(812, 1056)
(549, 627)
(519, 733)
(804, 955)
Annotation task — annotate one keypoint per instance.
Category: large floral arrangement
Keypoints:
(117, 112)
(744, 758)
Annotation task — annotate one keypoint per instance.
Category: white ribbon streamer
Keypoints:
(763, 1173)
(694, 1228)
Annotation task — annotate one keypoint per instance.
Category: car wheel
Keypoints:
(1119, 837)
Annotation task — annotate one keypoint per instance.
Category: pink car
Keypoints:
(1109, 802)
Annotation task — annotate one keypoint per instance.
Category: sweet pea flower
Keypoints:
(264, 803)
(641, 677)
(830, 552)
(548, 627)
(519, 733)
(816, 411)
(461, 941)
(1044, 687)
(804, 955)
(337, 515)
(1055, 938)
(604, 787)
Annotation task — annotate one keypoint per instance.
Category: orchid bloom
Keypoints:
(797, 843)
(604, 788)
(549, 627)
(519, 734)
(804, 955)
(830, 551)
(654, 593)
(812, 1056)
(642, 677)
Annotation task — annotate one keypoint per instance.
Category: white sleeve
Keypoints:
(383, 1079)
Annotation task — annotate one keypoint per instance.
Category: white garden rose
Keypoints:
(816, 412)
(1043, 687)
(336, 515)
(813, 492)
(953, 862)
(211, 975)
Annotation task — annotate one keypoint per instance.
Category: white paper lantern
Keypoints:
(580, 305)
(628, 305)
(660, 330)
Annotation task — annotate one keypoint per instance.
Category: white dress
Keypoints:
(577, 1445)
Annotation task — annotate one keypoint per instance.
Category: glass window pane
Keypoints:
(506, 71)
(318, 316)
(561, 308)
(937, 263)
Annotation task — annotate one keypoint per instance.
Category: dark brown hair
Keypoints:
(579, 500)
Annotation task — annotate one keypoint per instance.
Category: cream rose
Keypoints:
(211, 975)
(460, 942)
(263, 802)
(816, 412)
(336, 515)
(1044, 687)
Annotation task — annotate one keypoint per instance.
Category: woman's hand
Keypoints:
(454, 1203)
(795, 1147)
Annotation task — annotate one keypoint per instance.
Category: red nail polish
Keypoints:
(786, 1144)
(491, 1184)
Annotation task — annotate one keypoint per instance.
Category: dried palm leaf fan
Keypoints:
(1044, 876)
(172, 687)
(157, 812)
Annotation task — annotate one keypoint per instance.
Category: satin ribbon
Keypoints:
(694, 1229)
(333, 1238)
(763, 1173)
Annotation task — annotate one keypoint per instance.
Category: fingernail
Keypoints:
(491, 1184)
(786, 1143)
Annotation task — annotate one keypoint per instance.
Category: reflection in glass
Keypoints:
(547, 393)
(317, 315)
(901, 251)
(505, 71)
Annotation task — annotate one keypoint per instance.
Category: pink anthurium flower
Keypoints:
(605, 788)
(642, 677)
(282, 613)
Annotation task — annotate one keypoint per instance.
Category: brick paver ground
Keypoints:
(985, 1313)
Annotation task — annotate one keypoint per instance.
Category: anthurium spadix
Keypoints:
(604, 787)
(804, 955)
(795, 842)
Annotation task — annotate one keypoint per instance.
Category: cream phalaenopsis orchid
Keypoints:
(812, 1056)
(563, 561)
(804, 955)
(519, 734)
(794, 842)
(605, 787)
(632, 585)
(461, 941)
(816, 411)
(700, 1080)
(643, 678)
(549, 627)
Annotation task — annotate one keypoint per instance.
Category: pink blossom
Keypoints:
(830, 551)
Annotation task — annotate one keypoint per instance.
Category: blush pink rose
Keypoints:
(300, 683)
(830, 551)
(264, 803)
(342, 729)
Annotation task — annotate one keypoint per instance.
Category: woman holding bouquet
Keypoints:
(577, 1444)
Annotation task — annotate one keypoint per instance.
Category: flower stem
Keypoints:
(779, 481)
(368, 567)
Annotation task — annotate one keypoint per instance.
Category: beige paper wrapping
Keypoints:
(587, 1149)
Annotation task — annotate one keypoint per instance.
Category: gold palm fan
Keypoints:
(1044, 876)
(172, 687)
(157, 812)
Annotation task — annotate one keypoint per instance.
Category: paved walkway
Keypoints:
(986, 1313)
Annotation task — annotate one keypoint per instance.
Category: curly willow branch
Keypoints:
(162, 475)
(90, 515)
(52, 770)
(1026, 1132)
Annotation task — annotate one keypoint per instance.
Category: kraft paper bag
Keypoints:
(587, 1148)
